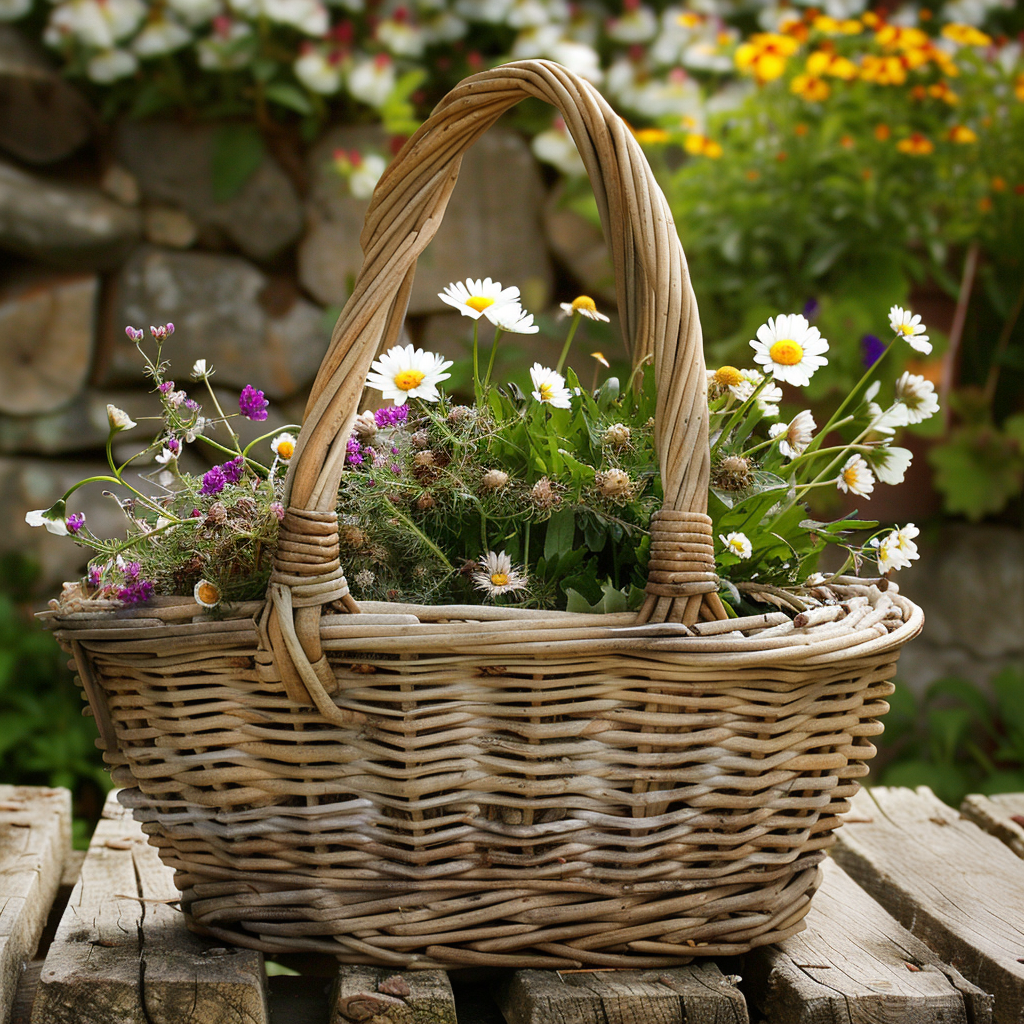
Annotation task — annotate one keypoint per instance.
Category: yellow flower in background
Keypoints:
(701, 145)
(883, 70)
(1018, 87)
(765, 55)
(882, 132)
(942, 91)
(650, 136)
(916, 145)
(897, 37)
(689, 19)
(812, 89)
(963, 135)
(823, 62)
(966, 35)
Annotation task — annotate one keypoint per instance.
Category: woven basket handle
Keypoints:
(657, 308)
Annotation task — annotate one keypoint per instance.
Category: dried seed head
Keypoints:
(494, 480)
(365, 426)
(421, 439)
(364, 578)
(217, 515)
(615, 484)
(732, 474)
(458, 414)
(544, 494)
(425, 501)
(419, 571)
(379, 553)
(245, 506)
(351, 536)
(424, 458)
(617, 435)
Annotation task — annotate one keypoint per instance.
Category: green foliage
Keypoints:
(236, 155)
(958, 739)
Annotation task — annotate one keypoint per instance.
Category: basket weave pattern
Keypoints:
(465, 785)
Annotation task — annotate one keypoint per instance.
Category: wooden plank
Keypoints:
(381, 995)
(123, 954)
(696, 994)
(958, 889)
(35, 838)
(1001, 815)
(855, 963)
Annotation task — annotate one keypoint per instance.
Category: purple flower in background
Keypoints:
(233, 470)
(213, 481)
(134, 334)
(391, 416)
(872, 348)
(168, 385)
(161, 333)
(136, 592)
(193, 406)
(811, 308)
(173, 445)
(195, 514)
(94, 576)
(252, 403)
(278, 509)
(353, 455)
(396, 469)
(75, 522)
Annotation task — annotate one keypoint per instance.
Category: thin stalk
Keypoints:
(738, 414)
(224, 419)
(1004, 340)
(419, 533)
(568, 341)
(494, 352)
(956, 332)
(476, 361)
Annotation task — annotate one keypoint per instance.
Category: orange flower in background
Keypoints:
(765, 55)
(882, 132)
(1018, 87)
(896, 37)
(801, 129)
(916, 145)
(924, 14)
(919, 92)
(796, 28)
(701, 145)
(942, 91)
(966, 35)
(810, 88)
(985, 204)
(824, 62)
(689, 19)
(998, 184)
(871, 19)
(781, 156)
(846, 142)
(961, 134)
(883, 70)
(753, 175)
(650, 136)
(866, 173)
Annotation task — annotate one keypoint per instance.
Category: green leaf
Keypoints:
(236, 155)
(560, 531)
(290, 96)
(978, 470)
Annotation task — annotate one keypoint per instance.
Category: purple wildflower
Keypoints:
(131, 570)
(161, 333)
(75, 522)
(234, 469)
(396, 469)
(94, 576)
(252, 403)
(391, 416)
(191, 405)
(168, 385)
(353, 455)
(173, 445)
(134, 334)
(136, 592)
(394, 449)
(195, 514)
(213, 481)
(811, 308)
(872, 348)
(278, 509)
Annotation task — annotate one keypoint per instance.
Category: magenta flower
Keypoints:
(136, 592)
(391, 416)
(233, 470)
(134, 334)
(74, 522)
(213, 481)
(161, 333)
(252, 403)
(168, 385)
(278, 509)
(173, 445)
(94, 576)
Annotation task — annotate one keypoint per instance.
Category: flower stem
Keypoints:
(494, 352)
(476, 361)
(568, 341)
(224, 419)
(739, 413)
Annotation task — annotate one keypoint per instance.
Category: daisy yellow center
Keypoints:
(406, 380)
(786, 351)
(850, 476)
(546, 392)
(728, 376)
(499, 579)
(479, 302)
(584, 302)
(906, 329)
(208, 593)
(286, 449)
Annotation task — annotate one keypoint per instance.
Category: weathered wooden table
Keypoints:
(920, 920)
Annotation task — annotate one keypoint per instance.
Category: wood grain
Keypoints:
(996, 815)
(383, 996)
(958, 889)
(35, 837)
(123, 955)
(855, 963)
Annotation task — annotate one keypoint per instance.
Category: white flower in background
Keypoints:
(400, 36)
(364, 578)
(531, 13)
(796, 435)
(891, 464)
(551, 41)
(119, 419)
(856, 477)
(585, 306)
(790, 348)
(222, 51)
(51, 518)
(476, 298)
(549, 387)
(110, 65)
(11, 10)
(770, 396)
(881, 421)
(678, 29)
(206, 594)
(737, 544)
(494, 11)
(318, 72)
(309, 16)
(514, 319)
(283, 446)
(970, 12)
(160, 35)
(496, 575)
(372, 79)
(910, 327)
(442, 27)
(200, 370)
(246, 8)
(403, 373)
(637, 24)
(92, 23)
(556, 147)
(363, 177)
(195, 12)
(916, 400)
(166, 456)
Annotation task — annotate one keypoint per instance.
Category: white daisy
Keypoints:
(514, 319)
(903, 538)
(796, 435)
(199, 369)
(403, 373)
(737, 544)
(770, 396)
(890, 464)
(364, 177)
(916, 400)
(400, 36)
(549, 387)
(910, 327)
(110, 65)
(856, 477)
(881, 421)
(475, 298)
(372, 80)
(161, 35)
(317, 72)
(50, 518)
(585, 306)
(119, 419)
(556, 147)
(790, 348)
(283, 446)
(896, 550)
(496, 575)
(206, 593)
(728, 378)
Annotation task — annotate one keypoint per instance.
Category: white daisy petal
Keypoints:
(890, 464)
(910, 327)
(856, 477)
(404, 373)
(790, 349)
(475, 298)
(496, 575)
(549, 387)
(513, 318)
(737, 544)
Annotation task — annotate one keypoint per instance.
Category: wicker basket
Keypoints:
(452, 786)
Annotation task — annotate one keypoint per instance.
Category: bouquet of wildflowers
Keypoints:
(539, 497)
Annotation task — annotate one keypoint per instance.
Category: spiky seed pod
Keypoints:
(365, 426)
(458, 414)
(616, 436)
(494, 480)
(544, 494)
(245, 506)
(217, 515)
(425, 501)
(421, 439)
(424, 458)
(379, 553)
(352, 537)
(614, 484)
(733, 473)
